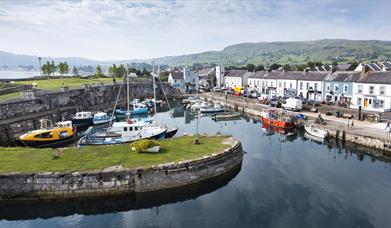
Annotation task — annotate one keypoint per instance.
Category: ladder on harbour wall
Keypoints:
(5, 135)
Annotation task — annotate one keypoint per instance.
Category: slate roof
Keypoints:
(343, 67)
(375, 67)
(177, 74)
(257, 74)
(343, 76)
(297, 75)
(235, 73)
(206, 71)
(380, 77)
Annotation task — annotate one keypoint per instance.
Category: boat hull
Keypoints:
(277, 123)
(171, 133)
(82, 122)
(46, 144)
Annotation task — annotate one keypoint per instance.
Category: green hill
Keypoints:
(296, 52)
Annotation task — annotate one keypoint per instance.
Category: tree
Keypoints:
(53, 67)
(287, 67)
(46, 69)
(75, 71)
(274, 66)
(259, 68)
(250, 67)
(63, 68)
(98, 72)
(113, 71)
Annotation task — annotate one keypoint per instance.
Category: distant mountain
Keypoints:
(296, 52)
(289, 53)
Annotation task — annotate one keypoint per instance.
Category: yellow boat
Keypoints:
(48, 136)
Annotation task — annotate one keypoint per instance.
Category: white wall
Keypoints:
(375, 101)
(302, 88)
(232, 82)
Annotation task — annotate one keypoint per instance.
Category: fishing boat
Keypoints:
(47, 136)
(279, 120)
(282, 131)
(316, 132)
(82, 119)
(170, 133)
(199, 105)
(102, 118)
(190, 100)
(138, 109)
(226, 116)
(215, 109)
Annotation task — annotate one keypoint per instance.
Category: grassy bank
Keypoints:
(9, 96)
(27, 160)
(53, 84)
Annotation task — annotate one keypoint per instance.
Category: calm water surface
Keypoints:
(283, 182)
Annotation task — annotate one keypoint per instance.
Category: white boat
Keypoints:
(199, 105)
(153, 149)
(314, 131)
(101, 118)
(82, 118)
(215, 109)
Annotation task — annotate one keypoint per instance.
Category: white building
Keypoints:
(310, 85)
(234, 78)
(372, 91)
(176, 80)
(190, 79)
(220, 71)
(254, 80)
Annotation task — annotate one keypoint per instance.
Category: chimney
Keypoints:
(365, 69)
(306, 70)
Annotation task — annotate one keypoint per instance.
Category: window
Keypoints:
(284, 84)
(301, 85)
(371, 90)
(290, 85)
(345, 88)
(358, 100)
(359, 89)
(316, 86)
(279, 84)
(381, 103)
(44, 135)
(125, 129)
(382, 90)
(327, 87)
(336, 88)
(130, 128)
(308, 85)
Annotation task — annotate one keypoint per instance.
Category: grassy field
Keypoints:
(9, 96)
(53, 84)
(27, 160)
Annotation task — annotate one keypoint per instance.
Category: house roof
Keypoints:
(256, 74)
(343, 67)
(381, 77)
(206, 71)
(235, 73)
(343, 76)
(297, 75)
(177, 74)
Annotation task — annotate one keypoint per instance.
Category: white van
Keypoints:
(293, 104)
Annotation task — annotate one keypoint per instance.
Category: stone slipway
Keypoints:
(117, 180)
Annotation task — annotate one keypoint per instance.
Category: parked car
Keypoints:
(229, 91)
(216, 89)
(313, 103)
(253, 94)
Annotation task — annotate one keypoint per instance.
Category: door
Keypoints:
(366, 102)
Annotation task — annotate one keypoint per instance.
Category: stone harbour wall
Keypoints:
(116, 180)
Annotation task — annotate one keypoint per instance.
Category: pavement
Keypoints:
(364, 128)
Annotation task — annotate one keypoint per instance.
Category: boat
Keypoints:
(226, 116)
(138, 109)
(199, 105)
(215, 109)
(154, 149)
(190, 100)
(102, 118)
(150, 102)
(82, 119)
(47, 136)
(279, 120)
(316, 132)
(171, 133)
(282, 131)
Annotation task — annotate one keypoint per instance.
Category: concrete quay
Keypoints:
(364, 133)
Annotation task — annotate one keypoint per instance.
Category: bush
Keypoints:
(143, 144)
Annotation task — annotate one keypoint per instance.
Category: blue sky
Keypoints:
(108, 30)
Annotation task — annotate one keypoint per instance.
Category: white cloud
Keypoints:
(135, 29)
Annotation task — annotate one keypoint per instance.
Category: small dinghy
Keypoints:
(316, 132)
(226, 116)
(215, 109)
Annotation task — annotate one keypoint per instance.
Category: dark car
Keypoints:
(313, 103)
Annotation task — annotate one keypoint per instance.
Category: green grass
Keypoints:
(28, 160)
(9, 96)
(53, 84)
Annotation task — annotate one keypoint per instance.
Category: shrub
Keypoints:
(143, 144)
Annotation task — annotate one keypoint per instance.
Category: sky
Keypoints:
(115, 30)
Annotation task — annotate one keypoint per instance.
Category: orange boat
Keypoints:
(277, 120)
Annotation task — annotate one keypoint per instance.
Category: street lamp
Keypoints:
(40, 67)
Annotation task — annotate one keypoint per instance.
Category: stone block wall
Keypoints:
(116, 180)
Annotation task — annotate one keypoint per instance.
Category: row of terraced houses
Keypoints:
(367, 88)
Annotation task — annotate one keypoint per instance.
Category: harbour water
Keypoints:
(284, 181)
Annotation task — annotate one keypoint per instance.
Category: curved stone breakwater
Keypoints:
(117, 180)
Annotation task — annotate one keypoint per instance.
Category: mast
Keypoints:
(127, 92)
(154, 91)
